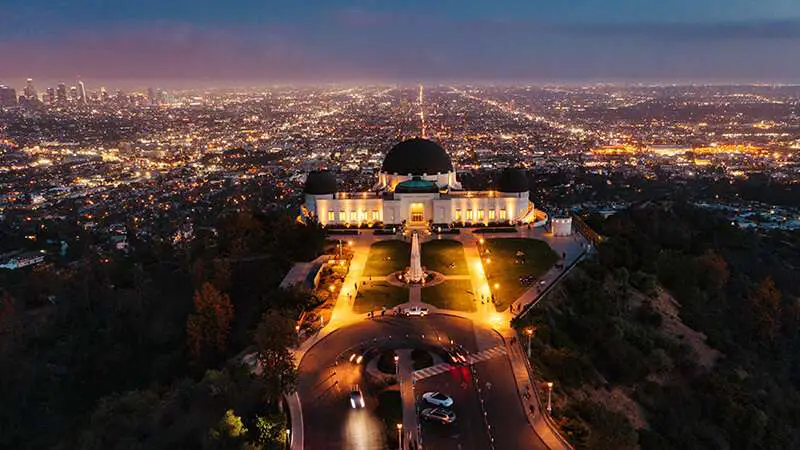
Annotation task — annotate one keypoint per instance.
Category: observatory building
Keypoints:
(417, 185)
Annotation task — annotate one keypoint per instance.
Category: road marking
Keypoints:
(428, 372)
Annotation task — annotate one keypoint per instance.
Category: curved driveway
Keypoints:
(326, 378)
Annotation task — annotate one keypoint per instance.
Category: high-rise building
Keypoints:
(82, 92)
(61, 93)
(73, 93)
(8, 96)
(30, 90)
(103, 94)
(51, 96)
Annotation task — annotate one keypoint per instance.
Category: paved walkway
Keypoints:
(529, 396)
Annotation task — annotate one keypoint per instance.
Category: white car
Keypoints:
(418, 311)
(438, 399)
(356, 398)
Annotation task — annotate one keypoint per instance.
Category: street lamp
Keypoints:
(399, 436)
(288, 436)
(529, 332)
(397, 365)
(549, 397)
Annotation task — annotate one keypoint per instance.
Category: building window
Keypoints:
(491, 214)
(342, 216)
(458, 215)
(480, 214)
(330, 216)
(362, 216)
(502, 214)
(352, 216)
(469, 214)
(375, 215)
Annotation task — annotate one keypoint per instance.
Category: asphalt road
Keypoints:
(326, 378)
(510, 427)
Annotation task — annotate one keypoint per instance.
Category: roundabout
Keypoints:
(328, 371)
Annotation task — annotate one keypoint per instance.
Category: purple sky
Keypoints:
(256, 42)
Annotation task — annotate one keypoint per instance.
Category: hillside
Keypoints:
(679, 333)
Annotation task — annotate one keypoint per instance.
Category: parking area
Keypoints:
(468, 432)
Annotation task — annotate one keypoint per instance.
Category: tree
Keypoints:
(274, 335)
(271, 431)
(712, 269)
(208, 327)
(228, 430)
(122, 421)
(765, 302)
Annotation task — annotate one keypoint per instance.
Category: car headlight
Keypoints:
(352, 403)
(362, 402)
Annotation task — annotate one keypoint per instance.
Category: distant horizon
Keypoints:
(113, 84)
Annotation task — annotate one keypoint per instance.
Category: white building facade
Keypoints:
(417, 185)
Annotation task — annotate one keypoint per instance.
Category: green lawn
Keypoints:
(505, 270)
(451, 294)
(374, 295)
(439, 254)
(386, 257)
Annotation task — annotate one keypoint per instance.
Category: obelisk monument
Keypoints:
(415, 273)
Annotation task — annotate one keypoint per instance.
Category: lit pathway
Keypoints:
(343, 314)
(415, 294)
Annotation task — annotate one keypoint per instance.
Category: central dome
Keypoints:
(417, 157)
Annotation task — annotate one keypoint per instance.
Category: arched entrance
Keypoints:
(417, 213)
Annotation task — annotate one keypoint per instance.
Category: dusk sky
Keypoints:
(251, 41)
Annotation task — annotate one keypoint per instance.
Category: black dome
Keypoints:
(513, 180)
(320, 182)
(417, 157)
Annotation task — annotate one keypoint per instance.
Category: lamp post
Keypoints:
(549, 397)
(396, 365)
(399, 436)
(288, 438)
(529, 332)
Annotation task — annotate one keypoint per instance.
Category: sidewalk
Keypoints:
(529, 396)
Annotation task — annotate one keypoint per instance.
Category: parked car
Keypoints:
(356, 398)
(418, 311)
(438, 399)
(440, 415)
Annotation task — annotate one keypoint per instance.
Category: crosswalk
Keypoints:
(428, 372)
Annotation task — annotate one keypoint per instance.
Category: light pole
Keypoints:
(529, 332)
(549, 397)
(399, 436)
(397, 366)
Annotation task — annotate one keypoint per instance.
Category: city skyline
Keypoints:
(256, 44)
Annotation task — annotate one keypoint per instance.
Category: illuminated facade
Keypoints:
(417, 185)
